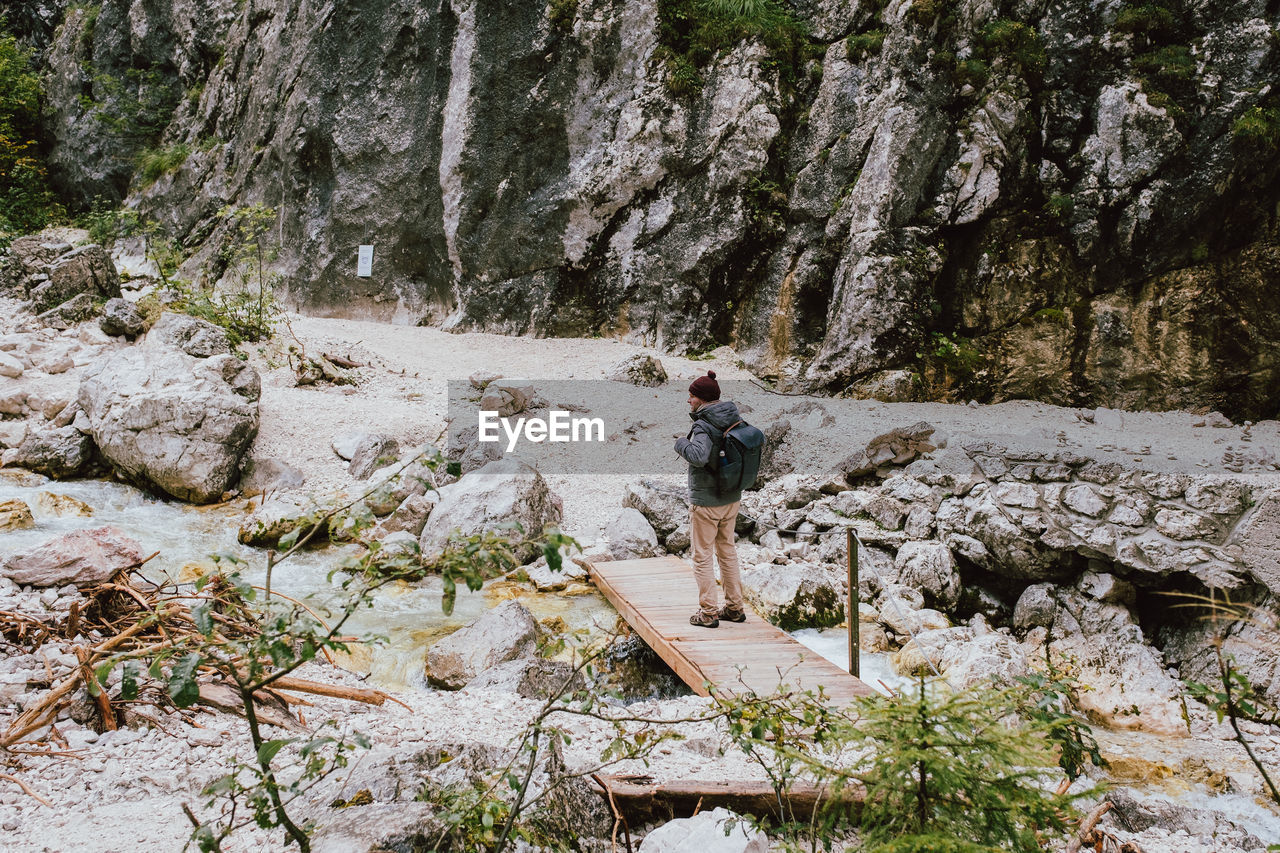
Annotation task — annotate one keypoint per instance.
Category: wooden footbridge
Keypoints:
(656, 596)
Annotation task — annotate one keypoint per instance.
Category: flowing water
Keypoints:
(187, 537)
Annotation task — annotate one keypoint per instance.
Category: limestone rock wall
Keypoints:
(1008, 199)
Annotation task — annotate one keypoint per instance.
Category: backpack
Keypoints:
(739, 459)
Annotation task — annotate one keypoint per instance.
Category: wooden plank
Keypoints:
(657, 595)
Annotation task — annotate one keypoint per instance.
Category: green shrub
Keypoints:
(693, 32)
(155, 163)
(107, 223)
(1060, 206)
(26, 201)
(866, 44)
(1151, 21)
(1258, 129)
(561, 14)
(1018, 43)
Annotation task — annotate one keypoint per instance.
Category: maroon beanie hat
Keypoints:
(705, 387)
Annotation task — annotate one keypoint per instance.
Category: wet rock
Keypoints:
(121, 318)
(60, 452)
(546, 580)
(502, 492)
(374, 451)
(631, 537)
(929, 567)
(411, 516)
(277, 516)
(715, 831)
(165, 418)
(665, 506)
(15, 515)
(638, 369)
(797, 595)
(80, 557)
(505, 633)
(635, 671)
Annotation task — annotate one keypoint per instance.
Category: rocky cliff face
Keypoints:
(1070, 201)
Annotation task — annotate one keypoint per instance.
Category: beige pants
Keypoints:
(711, 528)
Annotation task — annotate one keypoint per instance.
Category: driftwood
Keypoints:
(1085, 834)
(642, 800)
(341, 362)
(334, 691)
(269, 710)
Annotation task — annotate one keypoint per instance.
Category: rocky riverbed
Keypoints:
(992, 536)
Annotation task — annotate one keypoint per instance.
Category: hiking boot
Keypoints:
(704, 621)
(728, 614)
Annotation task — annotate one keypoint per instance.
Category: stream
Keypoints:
(411, 618)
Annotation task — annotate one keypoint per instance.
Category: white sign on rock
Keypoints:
(364, 262)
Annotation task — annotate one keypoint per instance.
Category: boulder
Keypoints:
(989, 657)
(639, 369)
(715, 831)
(545, 580)
(506, 399)
(165, 418)
(887, 386)
(276, 516)
(15, 515)
(269, 475)
(929, 567)
(345, 443)
(121, 318)
(11, 367)
(80, 557)
(60, 452)
(469, 451)
(481, 379)
(897, 447)
(86, 270)
(1036, 607)
(666, 507)
(776, 457)
(503, 492)
(531, 679)
(631, 537)
(410, 516)
(77, 309)
(796, 595)
(505, 633)
(1258, 538)
(374, 451)
(193, 336)
(61, 506)
(1129, 687)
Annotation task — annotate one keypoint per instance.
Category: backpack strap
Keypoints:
(726, 432)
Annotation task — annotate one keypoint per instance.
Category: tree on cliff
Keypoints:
(26, 202)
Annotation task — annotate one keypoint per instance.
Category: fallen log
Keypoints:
(641, 799)
(354, 694)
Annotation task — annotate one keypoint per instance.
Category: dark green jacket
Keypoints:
(701, 449)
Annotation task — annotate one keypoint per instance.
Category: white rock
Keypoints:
(10, 366)
(706, 833)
